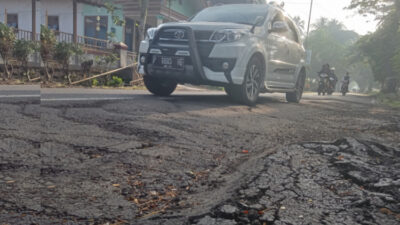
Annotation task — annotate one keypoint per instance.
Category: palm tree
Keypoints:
(321, 23)
(300, 23)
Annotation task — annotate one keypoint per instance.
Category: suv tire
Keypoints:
(159, 87)
(295, 96)
(249, 91)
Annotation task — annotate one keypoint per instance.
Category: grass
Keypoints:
(391, 100)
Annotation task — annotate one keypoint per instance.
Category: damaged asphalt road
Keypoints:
(346, 182)
(84, 156)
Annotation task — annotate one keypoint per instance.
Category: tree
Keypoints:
(7, 39)
(300, 23)
(321, 23)
(22, 50)
(379, 8)
(332, 43)
(47, 45)
(381, 48)
(63, 52)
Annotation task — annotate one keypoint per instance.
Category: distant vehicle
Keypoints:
(246, 48)
(345, 86)
(324, 84)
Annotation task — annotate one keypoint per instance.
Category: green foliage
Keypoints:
(379, 8)
(115, 82)
(332, 43)
(47, 43)
(24, 48)
(391, 100)
(63, 52)
(7, 39)
(111, 9)
(95, 83)
(107, 60)
(381, 49)
(111, 58)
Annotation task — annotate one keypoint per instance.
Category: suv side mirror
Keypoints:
(259, 20)
(279, 27)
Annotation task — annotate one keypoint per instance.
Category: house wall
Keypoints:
(21, 7)
(187, 8)
(89, 10)
(64, 10)
(61, 8)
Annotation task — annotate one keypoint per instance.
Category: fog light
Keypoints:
(225, 65)
(143, 59)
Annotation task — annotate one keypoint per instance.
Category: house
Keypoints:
(159, 11)
(27, 16)
(88, 21)
(216, 2)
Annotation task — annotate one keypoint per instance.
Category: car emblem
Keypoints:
(179, 34)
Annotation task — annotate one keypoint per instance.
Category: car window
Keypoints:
(293, 33)
(287, 34)
(236, 13)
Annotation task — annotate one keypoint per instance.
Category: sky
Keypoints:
(331, 9)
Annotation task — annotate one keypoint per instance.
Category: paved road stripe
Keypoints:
(19, 96)
(82, 99)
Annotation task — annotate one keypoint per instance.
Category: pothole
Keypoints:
(346, 182)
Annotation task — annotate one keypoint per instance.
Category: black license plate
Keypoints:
(170, 62)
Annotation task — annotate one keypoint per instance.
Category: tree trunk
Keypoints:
(6, 70)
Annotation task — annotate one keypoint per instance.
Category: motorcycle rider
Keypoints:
(326, 71)
(335, 79)
(345, 83)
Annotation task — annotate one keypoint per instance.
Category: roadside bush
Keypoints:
(115, 82)
(7, 40)
(22, 50)
(63, 52)
(95, 83)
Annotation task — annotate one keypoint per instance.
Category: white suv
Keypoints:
(246, 48)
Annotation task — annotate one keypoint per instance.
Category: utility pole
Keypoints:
(309, 21)
(309, 51)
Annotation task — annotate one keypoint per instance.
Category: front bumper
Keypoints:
(203, 63)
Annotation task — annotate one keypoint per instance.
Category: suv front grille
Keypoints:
(173, 35)
(180, 37)
(201, 35)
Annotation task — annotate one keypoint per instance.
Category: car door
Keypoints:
(279, 67)
(296, 52)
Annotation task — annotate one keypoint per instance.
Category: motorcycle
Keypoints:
(323, 84)
(345, 87)
(331, 85)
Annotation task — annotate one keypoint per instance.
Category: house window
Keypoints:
(12, 20)
(53, 23)
(96, 27)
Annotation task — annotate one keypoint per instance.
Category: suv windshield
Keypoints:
(243, 14)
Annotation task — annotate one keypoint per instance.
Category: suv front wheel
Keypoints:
(249, 91)
(159, 87)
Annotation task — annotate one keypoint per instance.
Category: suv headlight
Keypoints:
(151, 32)
(227, 35)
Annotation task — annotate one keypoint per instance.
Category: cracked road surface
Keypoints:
(94, 156)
